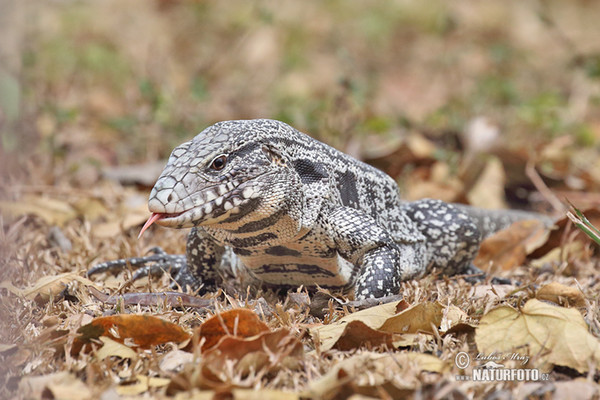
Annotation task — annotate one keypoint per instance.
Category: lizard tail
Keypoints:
(492, 221)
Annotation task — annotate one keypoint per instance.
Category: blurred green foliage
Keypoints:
(137, 78)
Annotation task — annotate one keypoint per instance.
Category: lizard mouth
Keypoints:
(155, 217)
(217, 207)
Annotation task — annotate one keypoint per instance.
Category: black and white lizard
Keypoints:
(297, 212)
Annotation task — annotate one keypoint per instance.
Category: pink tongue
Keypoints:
(153, 218)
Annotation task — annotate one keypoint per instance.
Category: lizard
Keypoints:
(293, 211)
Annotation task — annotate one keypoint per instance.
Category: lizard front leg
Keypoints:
(381, 263)
(198, 268)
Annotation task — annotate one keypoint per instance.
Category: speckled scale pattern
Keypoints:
(293, 211)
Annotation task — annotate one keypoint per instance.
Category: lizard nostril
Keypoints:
(170, 198)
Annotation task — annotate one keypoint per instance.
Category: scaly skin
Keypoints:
(294, 211)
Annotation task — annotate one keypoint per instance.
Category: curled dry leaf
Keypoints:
(510, 247)
(239, 322)
(234, 358)
(375, 325)
(279, 348)
(142, 331)
(562, 295)
(558, 335)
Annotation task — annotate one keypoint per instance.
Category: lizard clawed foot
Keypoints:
(155, 264)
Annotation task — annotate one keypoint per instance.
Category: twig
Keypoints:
(541, 187)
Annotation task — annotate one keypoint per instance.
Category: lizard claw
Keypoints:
(154, 264)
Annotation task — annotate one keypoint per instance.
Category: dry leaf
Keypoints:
(372, 317)
(367, 373)
(61, 385)
(495, 292)
(239, 322)
(267, 352)
(142, 331)
(576, 249)
(356, 335)
(424, 317)
(174, 359)
(280, 346)
(112, 348)
(53, 211)
(509, 247)
(131, 213)
(559, 335)
(455, 320)
(555, 240)
(91, 208)
(141, 385)
(562, 295)
(488, 191)
(375, 325)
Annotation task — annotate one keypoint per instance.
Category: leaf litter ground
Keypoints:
(418, 90)
(65, 336)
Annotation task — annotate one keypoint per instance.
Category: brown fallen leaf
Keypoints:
(558, 335)
(370, 374)
(237, 358)
(488, 190)
(142, 331)
(373, 317)
(562, 295)
(239, 322)
(455, 320)
(384, 319)
(509, 247)
(356, 335)
(423, 317)
(280, 343)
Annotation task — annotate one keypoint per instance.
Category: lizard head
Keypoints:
(217, 176)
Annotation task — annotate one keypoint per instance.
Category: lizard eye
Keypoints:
(219, 162)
